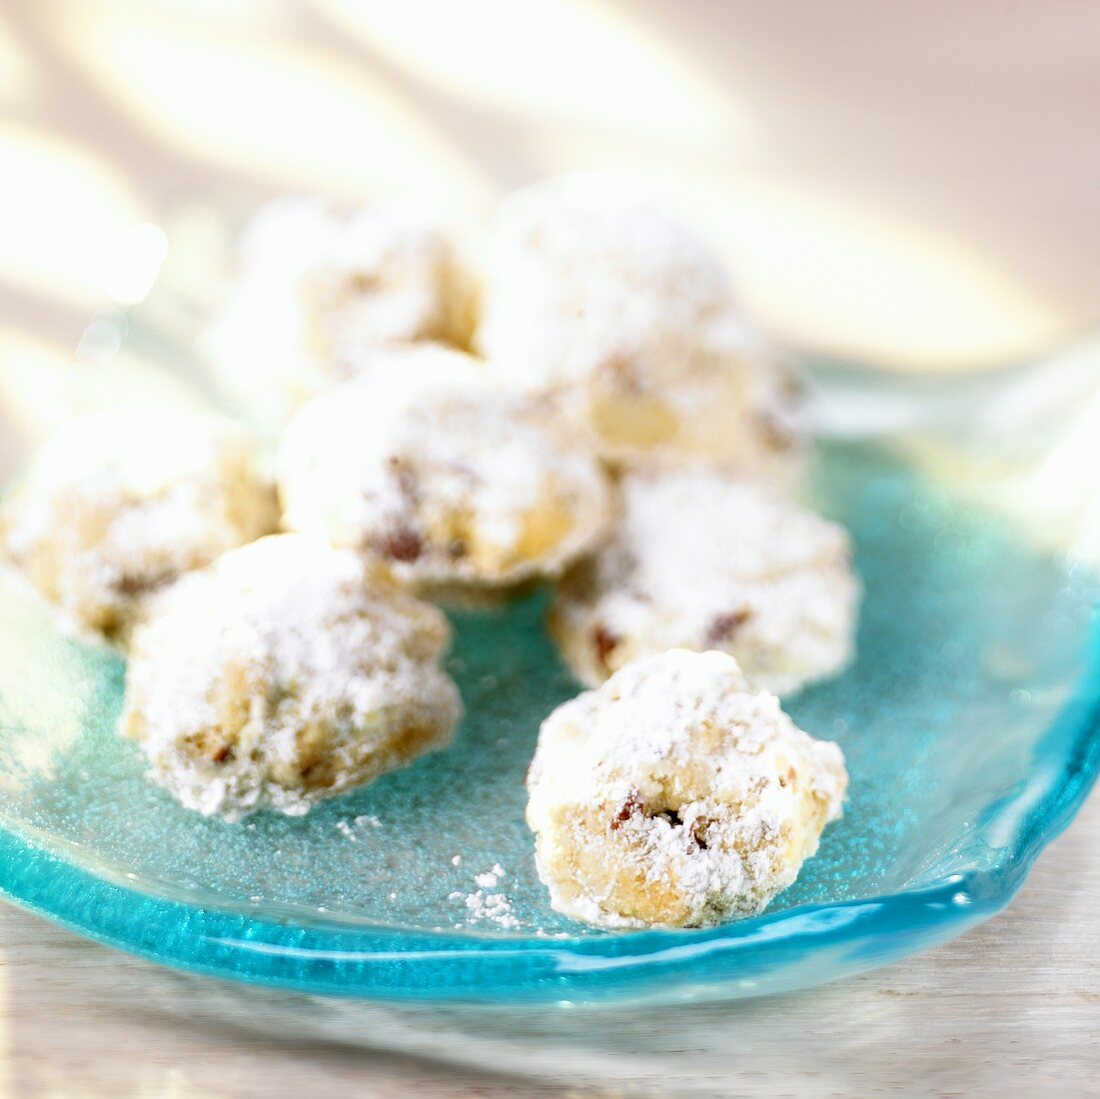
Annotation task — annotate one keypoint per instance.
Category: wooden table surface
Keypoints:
(1013, 1008)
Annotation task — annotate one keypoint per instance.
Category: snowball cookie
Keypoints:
(285, 673)
(627, 319)
(319, 284)
(119, 503)
(674, 795)
(701, 561)
(424, 463)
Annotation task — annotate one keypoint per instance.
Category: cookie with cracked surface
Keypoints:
(628, 321)
(117, 504)
(319, 285)
(675, 796)
(424, 463)
(285, 673)
(699, 560)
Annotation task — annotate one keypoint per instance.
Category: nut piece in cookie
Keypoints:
(627, 320)
(700, 561)
(422, 462)
(675, 796)
(118, 504)
(285, 673)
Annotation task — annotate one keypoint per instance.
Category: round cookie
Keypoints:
(117, 504)
(424, 463)
(675, 796)
(285, 673)
(627, 320)
(701, 561)
(319, 285)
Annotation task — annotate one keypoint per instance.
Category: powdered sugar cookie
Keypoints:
(319, 285)
(285, 673)
(673, 795)
(701, 561)
(424, 463)
(627, 320)
(118, 504)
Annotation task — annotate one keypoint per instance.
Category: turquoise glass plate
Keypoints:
(971, 724)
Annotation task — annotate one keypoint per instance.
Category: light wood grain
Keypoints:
(1013, 1008)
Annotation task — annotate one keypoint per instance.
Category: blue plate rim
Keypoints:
(723, 962)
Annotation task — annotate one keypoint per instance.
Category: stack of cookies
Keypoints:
(581, 404)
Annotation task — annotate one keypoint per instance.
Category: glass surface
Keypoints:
(970, 724)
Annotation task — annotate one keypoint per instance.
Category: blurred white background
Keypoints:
(913, 183)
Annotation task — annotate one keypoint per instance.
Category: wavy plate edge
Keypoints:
(762, 956)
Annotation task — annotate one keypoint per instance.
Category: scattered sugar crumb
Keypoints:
(492, 906)
(457, 860)
(486, 905)
(350, 831)
(490, 878)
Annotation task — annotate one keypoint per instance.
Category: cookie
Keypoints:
(118, 504)
(424, 463)
(699, 560)
(285, 673)
(675, 796)
(319, 285)
(627, 320)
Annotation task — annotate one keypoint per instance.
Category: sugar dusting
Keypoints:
(576, 276)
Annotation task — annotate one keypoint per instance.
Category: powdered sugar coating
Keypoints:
(285, 673)
(425, 463)
(117, 504)
(320, 284)
(699, 560)
(627, 320)
(673, 795)
(569, 250)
